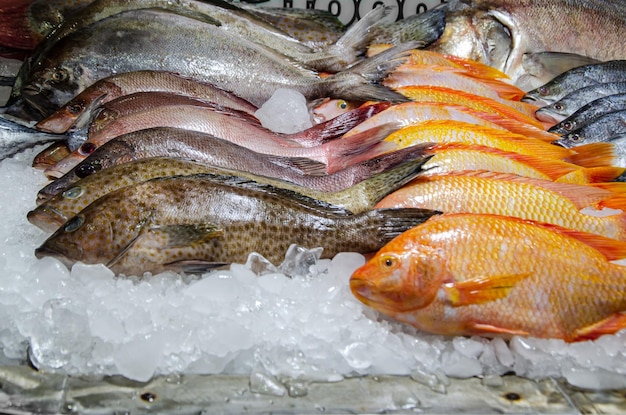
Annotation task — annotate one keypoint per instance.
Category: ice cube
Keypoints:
(285, 112)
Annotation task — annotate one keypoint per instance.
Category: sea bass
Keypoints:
(468, 274)
(511, 195)
(500, 32)
(602, 128)
(150, 40)
(356, 199)
(196, 223)
(207, 149)
(590, 112)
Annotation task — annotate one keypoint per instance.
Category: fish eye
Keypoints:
(543, 90)
(59, 75)
(76, 108)
(576, 138)
(389, 261)
(568, 125)
(558, 106)
(74, 223)
(73, 193)
(342, 105)
(87, 148)
(87, 169)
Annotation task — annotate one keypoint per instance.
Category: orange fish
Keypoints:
(455, 157)
(520, 111)
(468, 274)
(408, 74)
(511, 195)
(410, 113)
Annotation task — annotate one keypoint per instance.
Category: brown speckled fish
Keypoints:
(358, 198)
(196, 223)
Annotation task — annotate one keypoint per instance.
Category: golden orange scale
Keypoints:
(469, 274)
(511, 195)
(519, 111)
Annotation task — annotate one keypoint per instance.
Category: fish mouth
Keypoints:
(46, 218)
(46, 251)
(548, 116)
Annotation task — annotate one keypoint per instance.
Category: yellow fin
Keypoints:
(612, 249)
(481, 290)
(477, 69)
(594, 155)
(488, 328)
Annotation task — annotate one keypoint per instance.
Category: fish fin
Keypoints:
(489, 328)
(194, 266)
(335, 127)
(361, 147)
(477, 69)
(424, 27)
(612, 249)
(391, 222)
(516, 126)
(594, 155)
(503, 89)
(481, 290)
(609, 325)
(618, 200)
(361, 81)
(142, 225)
(554, 63)
(187, 234)
(591, 175)
(301, 164)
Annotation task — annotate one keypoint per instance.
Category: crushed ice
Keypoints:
(285, 112)
(260, 323)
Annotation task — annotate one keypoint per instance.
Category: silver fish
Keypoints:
(196, 223)
(141, 40)
(580, 77)
(603, 128)
(542, 67)
(500, 32)
(572, 102)
(16, 136)
(590, 112)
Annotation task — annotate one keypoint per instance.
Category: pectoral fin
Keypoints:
(481, 290)
(610, 325)
(488, 328)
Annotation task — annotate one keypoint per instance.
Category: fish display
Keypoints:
(186, 224)
(500, 33)
(358, 198)
(468, 274)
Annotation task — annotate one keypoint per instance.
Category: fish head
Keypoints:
(331, 108)
(574, 139)
(399, 280)
(545, 94)
(99, 233)
(553, 113)
(46, 217)
(76, 111)
(72, 160)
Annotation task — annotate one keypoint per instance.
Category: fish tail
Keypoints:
(361, 82)
(16, 31)
(336, 127)
(594, 155)
(393, 222)
(422, 27)
(591, 175)
(360, 147)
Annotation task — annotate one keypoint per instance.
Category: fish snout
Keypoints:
(548, 116)
(48, 251)
(46, 218)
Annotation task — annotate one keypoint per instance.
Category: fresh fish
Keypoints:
(51, 155)
(590, 112)
(128, 83)
(234, 20)
(196, 223)
(572, 102)
(357, 199)
(410, 113)
(331, 108)
(450, 158)
(542, 67)
(500, 33)
(516, 110)
(511, 195)
(319, 28)
(468, 274)
(574, 79)
(207, 149)
(15, 137)
(195, 49)
(411, 75)
(599, 130)
(228, 125)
